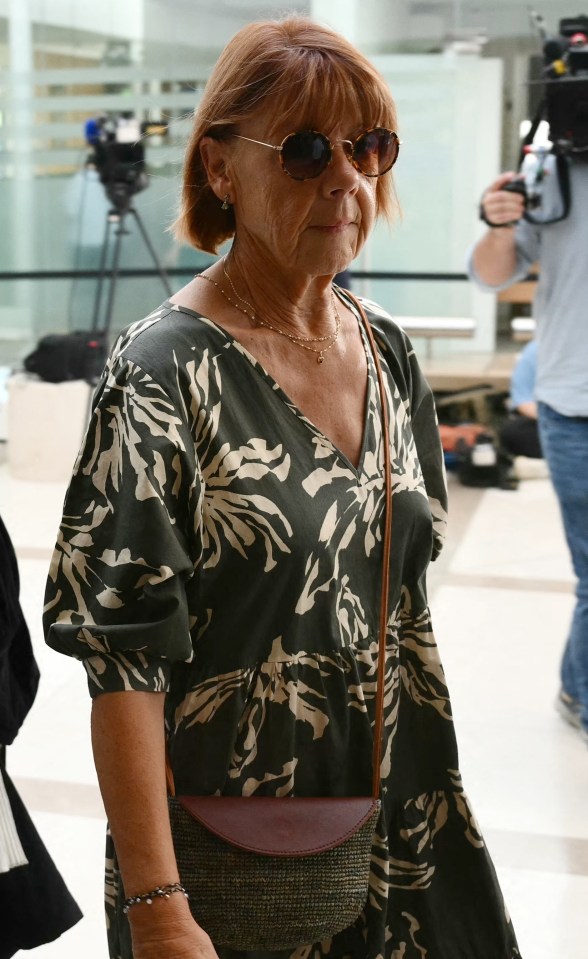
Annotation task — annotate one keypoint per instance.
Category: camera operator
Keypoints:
(505, 254)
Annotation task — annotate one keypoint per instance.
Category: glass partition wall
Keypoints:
(458, 72)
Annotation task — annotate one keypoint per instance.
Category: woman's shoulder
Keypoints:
(397, 350)
(168, 337)
(391, 335)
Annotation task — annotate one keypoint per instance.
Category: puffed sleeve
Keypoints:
(129, 540)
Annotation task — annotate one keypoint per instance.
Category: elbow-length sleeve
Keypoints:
(129, 539)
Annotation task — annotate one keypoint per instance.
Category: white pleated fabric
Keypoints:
(11, 851)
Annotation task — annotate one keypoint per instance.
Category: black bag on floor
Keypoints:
(481, 463)
(80, 355)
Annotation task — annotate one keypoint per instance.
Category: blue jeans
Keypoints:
(564, 440)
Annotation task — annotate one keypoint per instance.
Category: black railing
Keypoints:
(190, 271)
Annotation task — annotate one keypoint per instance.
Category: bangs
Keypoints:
(297, 75)
(324, 93)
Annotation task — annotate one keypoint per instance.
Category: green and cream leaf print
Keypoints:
(237, 517)
(229, 514)
(228, 554)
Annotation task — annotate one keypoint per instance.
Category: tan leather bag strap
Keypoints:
(387, 539)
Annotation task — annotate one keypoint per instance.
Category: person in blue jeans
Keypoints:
(503, 255)
(520, 434)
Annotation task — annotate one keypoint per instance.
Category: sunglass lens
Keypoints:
(375, 151)
(305, 155)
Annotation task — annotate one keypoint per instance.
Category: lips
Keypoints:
(337, 227)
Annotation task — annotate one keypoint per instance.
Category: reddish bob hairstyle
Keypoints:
(291, 68)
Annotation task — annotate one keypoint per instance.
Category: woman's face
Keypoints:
(312, 227)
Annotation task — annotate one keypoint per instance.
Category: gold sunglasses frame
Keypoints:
(348, 152)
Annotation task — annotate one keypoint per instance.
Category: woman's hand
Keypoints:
(170, 938)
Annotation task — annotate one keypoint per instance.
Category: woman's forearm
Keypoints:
(129, 752)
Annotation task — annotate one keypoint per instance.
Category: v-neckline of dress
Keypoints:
(275, 387)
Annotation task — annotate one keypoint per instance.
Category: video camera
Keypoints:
(565, 108)
(566, 87)
(118, 153)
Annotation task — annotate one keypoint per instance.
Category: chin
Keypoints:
(326, 258)
(330, 271)
(330, 265)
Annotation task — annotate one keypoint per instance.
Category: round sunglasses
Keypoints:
(306, 154)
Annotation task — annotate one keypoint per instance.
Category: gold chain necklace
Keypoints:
(301, 341)
(293, 336)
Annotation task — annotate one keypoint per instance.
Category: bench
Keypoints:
(522, 328)
(523, 292)
(431, 327)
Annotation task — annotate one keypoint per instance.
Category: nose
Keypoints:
(340, 174)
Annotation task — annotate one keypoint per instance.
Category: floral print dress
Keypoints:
(217, 546)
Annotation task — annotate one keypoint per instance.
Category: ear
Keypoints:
(215, 155)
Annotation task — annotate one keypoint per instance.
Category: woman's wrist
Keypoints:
(164, 891)
(161, 912)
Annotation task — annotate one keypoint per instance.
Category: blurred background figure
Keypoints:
(35, 905)
(513, 242)
(519, 436)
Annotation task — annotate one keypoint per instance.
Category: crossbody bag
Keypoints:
(266, 873)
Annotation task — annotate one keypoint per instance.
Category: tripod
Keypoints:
(122, 207)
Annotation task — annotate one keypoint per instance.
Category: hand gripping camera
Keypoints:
(565, 108)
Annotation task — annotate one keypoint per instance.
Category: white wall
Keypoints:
(119, 18)
(449, 110)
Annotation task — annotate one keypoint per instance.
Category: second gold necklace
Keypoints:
(302, 341)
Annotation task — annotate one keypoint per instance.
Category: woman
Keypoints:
(219, 556)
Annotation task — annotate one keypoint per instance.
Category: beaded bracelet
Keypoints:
(162, 892)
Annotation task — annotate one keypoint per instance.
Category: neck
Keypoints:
(301, 304)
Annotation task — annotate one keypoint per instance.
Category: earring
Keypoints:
(225, 204)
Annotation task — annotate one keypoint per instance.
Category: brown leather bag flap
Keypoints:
(284, 826)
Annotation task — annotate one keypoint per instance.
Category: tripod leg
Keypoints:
(150, 247)
(101, 275)
(114, 275)
(78, 249)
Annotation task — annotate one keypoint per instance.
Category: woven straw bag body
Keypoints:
(249, 898)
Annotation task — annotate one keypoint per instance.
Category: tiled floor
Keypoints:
(501, 598)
